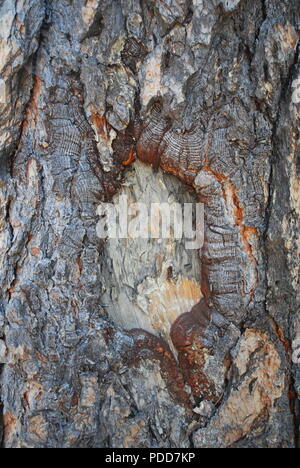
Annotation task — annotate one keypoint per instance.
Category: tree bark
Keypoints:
(140, 343)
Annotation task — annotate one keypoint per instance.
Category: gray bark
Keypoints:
(141, 343)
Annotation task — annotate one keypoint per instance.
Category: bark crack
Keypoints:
(292, 393)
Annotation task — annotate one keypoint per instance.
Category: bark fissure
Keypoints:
(1, 416)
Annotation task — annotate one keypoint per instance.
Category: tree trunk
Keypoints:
(134, 342)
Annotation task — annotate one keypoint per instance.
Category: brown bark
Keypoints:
(137, 343)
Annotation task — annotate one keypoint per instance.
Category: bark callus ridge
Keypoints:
(186, 155)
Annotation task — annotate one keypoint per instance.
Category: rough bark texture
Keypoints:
(141, 343)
